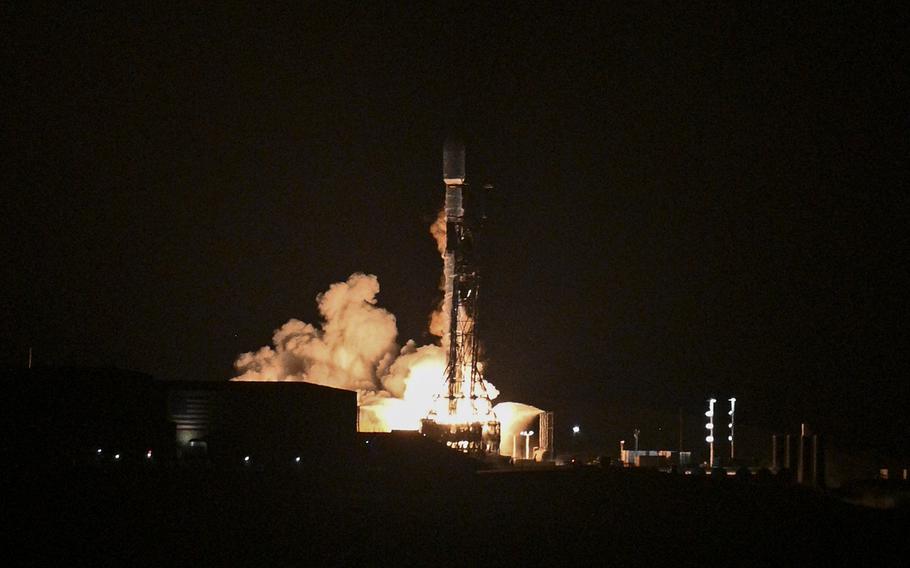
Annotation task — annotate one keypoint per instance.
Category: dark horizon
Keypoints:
(688, 202)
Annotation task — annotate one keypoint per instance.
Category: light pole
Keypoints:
(730, 437)
(710, 426)
(527, 434)
(575, 431)
(635, 433)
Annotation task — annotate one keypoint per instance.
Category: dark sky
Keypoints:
(688, 201)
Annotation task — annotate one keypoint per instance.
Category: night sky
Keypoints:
(688, 202)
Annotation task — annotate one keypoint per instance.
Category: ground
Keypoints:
(398, 516)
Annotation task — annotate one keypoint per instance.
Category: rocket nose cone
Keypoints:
(453, 161)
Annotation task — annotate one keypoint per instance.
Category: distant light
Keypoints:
(116, 456)
(709, 413)
(709, 439)
(297, 459)
(713, 400)
(148, 454)
(246, 458)
(729, 438)
(98, 451)
(709, 426)
(576, 429)
(367, 442)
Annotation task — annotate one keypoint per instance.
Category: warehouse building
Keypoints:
(77, 416)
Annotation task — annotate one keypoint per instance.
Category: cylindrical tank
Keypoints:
(805, 472)
(775, 452)
(453, 162)
(788, 453)
(818, 461)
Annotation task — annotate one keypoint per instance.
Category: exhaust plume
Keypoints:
(355, 347)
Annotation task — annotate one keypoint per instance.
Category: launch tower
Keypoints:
(462, 413)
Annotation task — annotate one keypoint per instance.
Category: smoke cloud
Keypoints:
(353, 348)
(354, 345)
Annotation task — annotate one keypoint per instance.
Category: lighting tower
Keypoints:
(730, 437)
(462, 413)
(527, 434)
(710, 426)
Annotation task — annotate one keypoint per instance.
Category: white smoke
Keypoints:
(515, 417)
(354, 345)
(354, 348)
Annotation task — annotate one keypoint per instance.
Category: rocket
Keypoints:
(462, 414)
(453, 162)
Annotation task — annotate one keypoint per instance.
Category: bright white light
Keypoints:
(116, 456)
(709, 414)
(709, 439)
(297, 459)
(98, 451)
(576, 429)
(712, 400)
(730, 438)
(246, 458)
(709, 426)
(730, 425)
(148, 454)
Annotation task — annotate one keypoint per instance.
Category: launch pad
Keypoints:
(462, 414)
(480, 438)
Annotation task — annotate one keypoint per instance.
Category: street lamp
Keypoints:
(527, 434)
(730, 437)
(576, 429)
